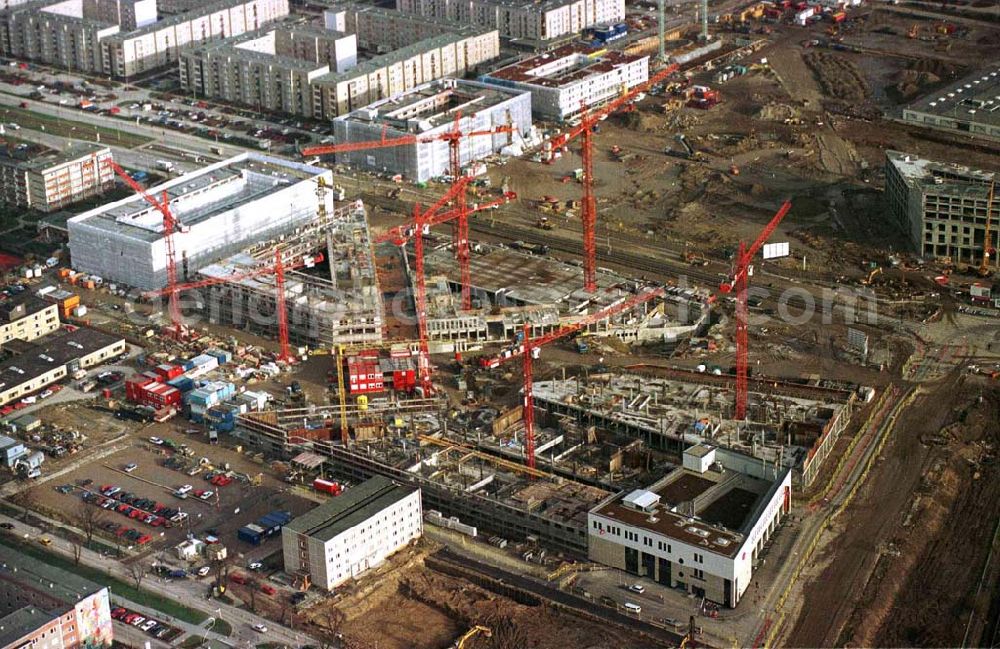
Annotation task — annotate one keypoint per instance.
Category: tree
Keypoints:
(253, 585)
(329, 627)
(25, 500)
(76, 545)
(506, 633)
(137, 571)
(89, 520)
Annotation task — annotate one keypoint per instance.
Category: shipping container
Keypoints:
(251, 534)
(326, 486)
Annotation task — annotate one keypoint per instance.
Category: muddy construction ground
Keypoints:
(912, 549)
(411, 602)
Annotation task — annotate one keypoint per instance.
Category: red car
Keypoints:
(237, 578)
(6, 410)
(267, 589)
(144, 539)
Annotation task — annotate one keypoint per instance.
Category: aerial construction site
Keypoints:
(500, 325)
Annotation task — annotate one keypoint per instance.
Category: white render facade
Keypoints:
(527, 20)
(55, 179)
(58, 33)
(222, 209)
(557, 82)
(668, 544)
(353, 532)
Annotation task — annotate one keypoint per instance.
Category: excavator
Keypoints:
(471, 633)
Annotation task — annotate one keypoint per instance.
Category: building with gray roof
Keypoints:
(353, 532)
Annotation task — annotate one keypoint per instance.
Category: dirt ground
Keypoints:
(921, 528)
(407, 604)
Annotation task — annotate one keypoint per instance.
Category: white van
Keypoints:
(634, 609)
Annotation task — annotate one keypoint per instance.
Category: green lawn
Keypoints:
(69, 128)
(117, 586)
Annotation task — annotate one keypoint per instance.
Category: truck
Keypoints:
(327, 486)
(165, 165)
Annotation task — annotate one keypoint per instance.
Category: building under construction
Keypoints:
(788, 425)
(221, 209)
(511, 287)
(336, 302)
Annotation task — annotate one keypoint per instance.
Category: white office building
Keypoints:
(353, 532)
(701, 528)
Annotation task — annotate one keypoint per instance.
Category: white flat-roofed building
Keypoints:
(428, 111)
(50, 180)
(699, 529)
(353, 532)
(572, 77)
(221, 209)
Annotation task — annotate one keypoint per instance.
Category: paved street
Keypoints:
(191, 593)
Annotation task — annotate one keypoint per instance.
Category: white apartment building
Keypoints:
(568, 78)
(353, 532)
(50, 180)
(702, 527)
(27, 317)
(58, 32)
(522, 19)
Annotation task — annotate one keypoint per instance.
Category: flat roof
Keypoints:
(577, 63)
(976, 98)
(32, 304)
(432, 105)
(21, 622)
(63, 585)
(224, 186)
(351, 508)
(36, 158)
(54, 350)
(944, 177)
(720, 520)
(376, 63)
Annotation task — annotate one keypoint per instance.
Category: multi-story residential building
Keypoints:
(943, 207)
(318, 73)
(523, 19)
(428, 111)
(48, 181)
(57, 32)
(572, 77)
(700, 528)
(27, 317)
(271, 69)
(353, 532)
(127, 14)
(43, 607)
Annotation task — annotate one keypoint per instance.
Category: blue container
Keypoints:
(222, 355)
(182, 383)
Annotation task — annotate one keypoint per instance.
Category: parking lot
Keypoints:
(154, 506)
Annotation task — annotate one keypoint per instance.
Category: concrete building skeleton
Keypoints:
(222, 209)
(942, 207)
(345, 307)
(427, 111)
(789, 425)
(521, 19)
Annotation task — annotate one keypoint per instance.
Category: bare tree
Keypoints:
(253, 585)
(89, 520)
(25, 500)
(137, 571)
(506, 633)
(329, 627)
(76, 545)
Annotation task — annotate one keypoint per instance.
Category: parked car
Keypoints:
(130, 467)
(260, 628)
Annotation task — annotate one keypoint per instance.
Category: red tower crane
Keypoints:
(170, 225)
(742, 269)
(454, 139)
(528, 348)
(588, 212)
(277, 269)
(421, 221)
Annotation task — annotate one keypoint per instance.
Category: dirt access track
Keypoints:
(912, 550)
